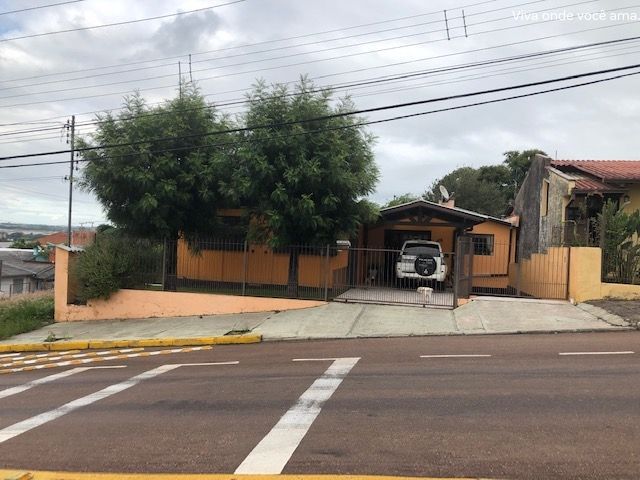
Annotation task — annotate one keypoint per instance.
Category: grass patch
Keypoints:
(238, 332)
(24, 313)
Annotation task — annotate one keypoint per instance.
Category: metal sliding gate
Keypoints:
(370, 276)
(490, 268)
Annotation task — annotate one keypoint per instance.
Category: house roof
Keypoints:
(19, 263)
(79, 237)
(441, 211)
(605, 170)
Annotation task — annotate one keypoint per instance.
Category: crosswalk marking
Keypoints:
(5, 355)
(19, 428)
(49, 378)
(84, 361)
(33, 361)
(21, 356)
(274, 451)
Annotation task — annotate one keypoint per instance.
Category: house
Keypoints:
(560, 200)
(21, 271)
(492, 238)
(350, 264)
(79, 238)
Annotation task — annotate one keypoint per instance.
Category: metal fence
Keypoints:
(584, 233)
(621, 265)
(321, 272)
(494, 271)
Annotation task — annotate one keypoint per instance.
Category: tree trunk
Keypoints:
(170, 271)
(292, 283)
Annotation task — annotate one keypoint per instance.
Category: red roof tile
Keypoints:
(608, 170)
(585, 184)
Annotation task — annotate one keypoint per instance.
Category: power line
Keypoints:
(281, 57)
(127, 22)
(356, 125)
(435, 57)
(340, 114)
(40, 6)
(388, 79)
(264, 42)
(285, 47)
(313, 61)
(464, 78)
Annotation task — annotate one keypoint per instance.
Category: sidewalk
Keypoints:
(344, 320)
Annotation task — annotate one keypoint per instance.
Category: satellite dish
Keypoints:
(444, 192)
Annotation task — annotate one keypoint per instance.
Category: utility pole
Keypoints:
(72, 139)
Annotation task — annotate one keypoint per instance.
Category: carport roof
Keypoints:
(450, 214)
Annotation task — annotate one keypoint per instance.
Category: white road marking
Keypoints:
(5, 355)
(27, 356)
(84, 361)
(274, 451)
(64, 356)
(50, 378)
(628, 352)
(30, 423)
(314, 359)
(455, 356)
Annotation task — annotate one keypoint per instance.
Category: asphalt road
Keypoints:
(520, 411)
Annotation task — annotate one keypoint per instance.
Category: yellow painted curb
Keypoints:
(10, 474)
(145, 342)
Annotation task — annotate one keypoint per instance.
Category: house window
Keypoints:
(544, 206)
(482, 244)
(17, 286)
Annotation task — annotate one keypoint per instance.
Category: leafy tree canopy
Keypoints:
(304, 182)
(400, 199)
(488, 189)
(169, 180)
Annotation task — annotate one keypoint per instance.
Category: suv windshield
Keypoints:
(418, 249)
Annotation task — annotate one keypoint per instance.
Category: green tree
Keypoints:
(400, 199)
(518, 163)
(168, 182)
(304, 183)
(470, 191)
(618, 231)
(25, 244)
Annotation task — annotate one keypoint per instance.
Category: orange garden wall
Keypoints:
(585, 278)
(126, 304)
(263, 266)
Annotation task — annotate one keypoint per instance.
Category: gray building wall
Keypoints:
(527, 207)
(551, 224)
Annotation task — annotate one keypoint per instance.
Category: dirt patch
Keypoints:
(627, 309)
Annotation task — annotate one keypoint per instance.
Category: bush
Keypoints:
(114, 262)
(25, 313)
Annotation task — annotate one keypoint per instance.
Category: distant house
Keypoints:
(560, 200)
(20, 272)
(79, 238)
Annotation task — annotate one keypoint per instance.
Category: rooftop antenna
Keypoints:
(445, 193)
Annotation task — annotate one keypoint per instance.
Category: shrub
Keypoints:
(25, 313)
(114, 262)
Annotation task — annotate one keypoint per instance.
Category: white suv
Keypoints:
(421, 260)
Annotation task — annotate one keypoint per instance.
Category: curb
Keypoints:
(44, 475)
(144, 342)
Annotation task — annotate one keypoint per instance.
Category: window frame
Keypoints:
(482, 249)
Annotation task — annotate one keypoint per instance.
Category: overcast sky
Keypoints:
(599, 121)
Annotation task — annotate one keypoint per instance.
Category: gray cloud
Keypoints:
(599, 121)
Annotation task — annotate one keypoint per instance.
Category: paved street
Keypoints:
(513, 406)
